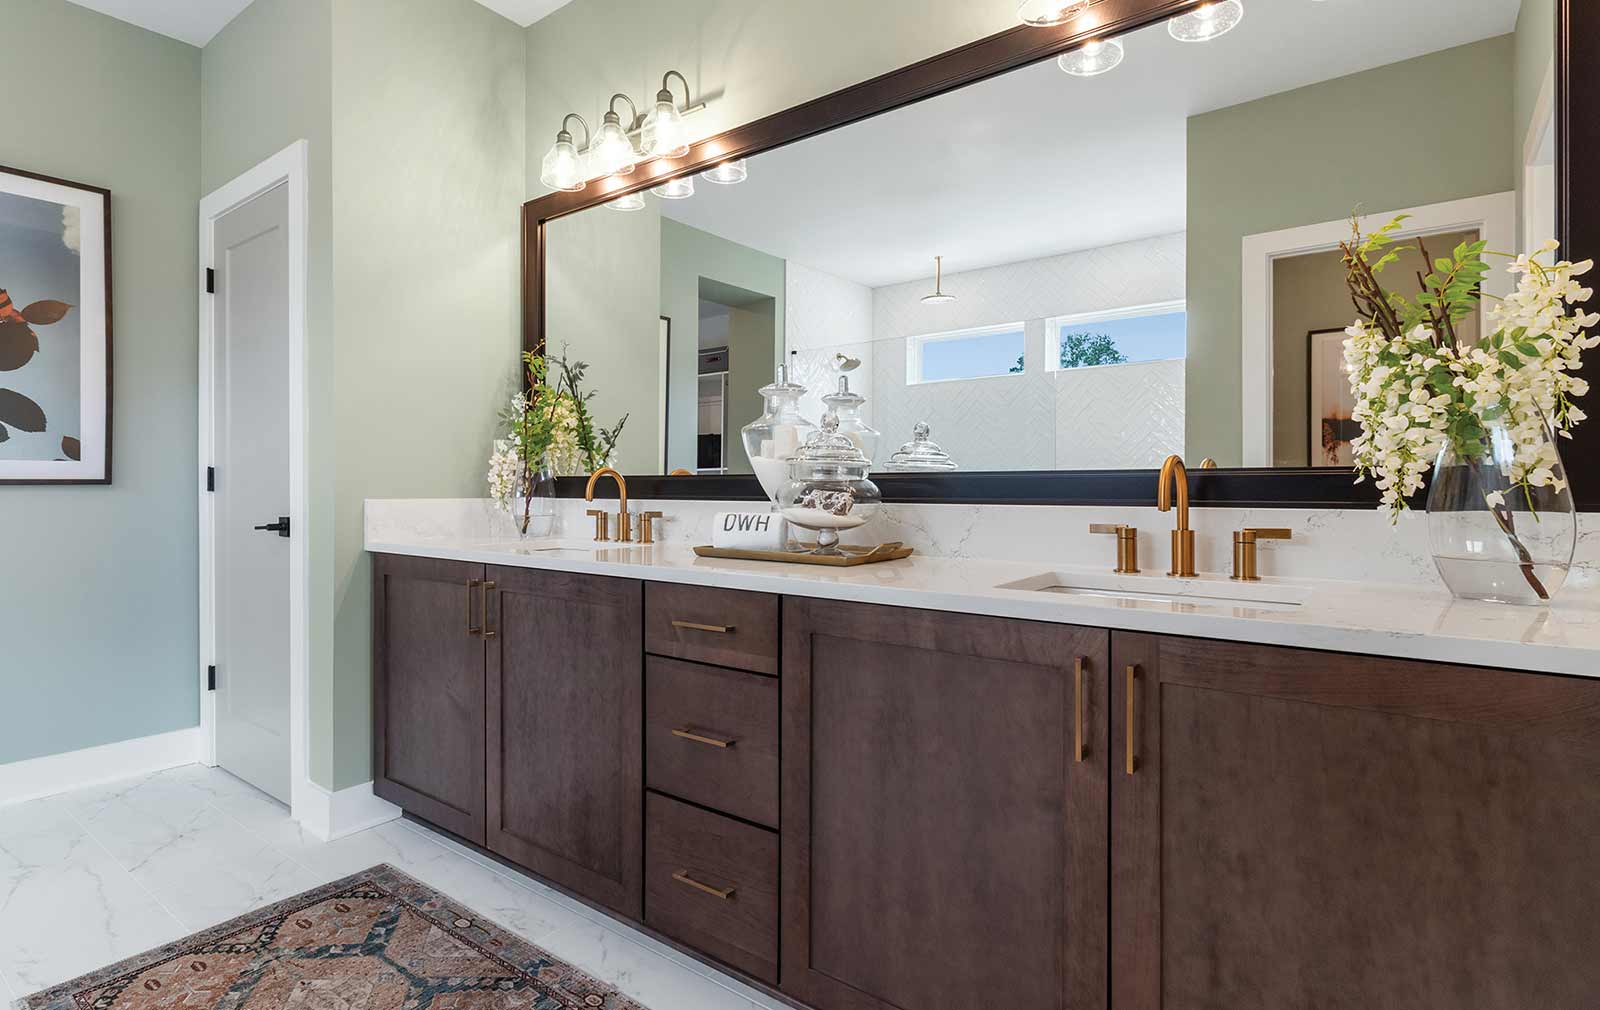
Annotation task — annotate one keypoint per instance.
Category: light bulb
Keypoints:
(561, 168)
(613, 152)
(1208, 21)
(1044, 13)
(664, 133)
(728, 173)
(1093, 58)
(628, 202)
(676, 189)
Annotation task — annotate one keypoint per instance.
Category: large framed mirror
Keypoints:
(1067, 252)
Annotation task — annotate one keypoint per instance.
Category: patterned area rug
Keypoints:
(376, 940)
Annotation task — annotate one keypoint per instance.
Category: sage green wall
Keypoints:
(604, 271)
(266, 82)
(749, 57)
(1295, 159)
(687, 255)
(427, 182)
(98, 598)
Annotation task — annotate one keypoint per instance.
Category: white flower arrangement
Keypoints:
(1419, 389)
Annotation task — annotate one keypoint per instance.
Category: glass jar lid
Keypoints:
(829, 455)
(922, 453)
(845, 400)
(782, 388)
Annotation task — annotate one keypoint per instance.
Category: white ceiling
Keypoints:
(198, 21)
(1036, 163)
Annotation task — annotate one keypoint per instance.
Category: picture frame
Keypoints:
(55, 330)
(1329, 402)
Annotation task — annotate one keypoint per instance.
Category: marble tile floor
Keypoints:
(90, 877)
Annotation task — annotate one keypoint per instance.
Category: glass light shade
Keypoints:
(562, 169)
(633, 201)
(1044, 13)
(612, 153)
(676, 189)
(1092, 59)
(728, 173)
(1208, 21)
(664, 135)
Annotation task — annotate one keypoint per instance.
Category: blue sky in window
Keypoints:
(971, 357)
(1142, 338)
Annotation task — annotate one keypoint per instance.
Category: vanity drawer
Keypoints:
(711, 737)
(712, 883)
(721, 626)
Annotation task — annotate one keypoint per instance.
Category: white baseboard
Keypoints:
(330, 815)
(58, 773)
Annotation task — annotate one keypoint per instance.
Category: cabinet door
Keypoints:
(943, 846)
(428, 691)
(566, 697)
(1306, 829)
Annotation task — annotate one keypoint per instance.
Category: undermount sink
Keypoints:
(1159, 590)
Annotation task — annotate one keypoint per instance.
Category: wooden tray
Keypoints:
(851, 557)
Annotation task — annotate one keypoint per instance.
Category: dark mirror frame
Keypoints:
(1578, 225)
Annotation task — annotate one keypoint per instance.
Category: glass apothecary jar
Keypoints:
(828, 491)
(921, 455)
(846, 405)
(772, 439)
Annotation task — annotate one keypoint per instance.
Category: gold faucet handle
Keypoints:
(602, 523)
(1244, 550)
(647, 530)
(1127, 545)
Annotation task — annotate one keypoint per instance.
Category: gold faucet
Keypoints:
(1175, 475)
(624, 521)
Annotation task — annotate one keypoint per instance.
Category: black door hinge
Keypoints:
(211, 678)
(211, 281)
(211, 478)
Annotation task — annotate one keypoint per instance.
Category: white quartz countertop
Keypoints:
(1398, 621)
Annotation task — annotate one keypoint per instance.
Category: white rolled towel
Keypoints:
(750, 531)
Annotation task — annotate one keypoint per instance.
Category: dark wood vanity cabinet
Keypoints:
(944, 810)
(873, 808)
(565, 690)
(1308, 829)
(428, 690)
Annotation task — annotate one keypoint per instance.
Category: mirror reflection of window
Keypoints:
(1136, 262)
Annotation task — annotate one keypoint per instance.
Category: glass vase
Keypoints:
(1496, 539)
(533, 513)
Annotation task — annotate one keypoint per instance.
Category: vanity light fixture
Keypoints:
(1092, 58)
(562, 169)
(938, 297)
(681, 188)
(613, 153)
(664, 135)
(728, 173)
(1207, 21)
(628, 202)
(1044, 13)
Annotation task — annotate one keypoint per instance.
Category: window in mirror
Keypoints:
(1117, 337)
(979, 353)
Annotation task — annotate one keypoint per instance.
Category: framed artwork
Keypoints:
(55, 331)
(1328, 393)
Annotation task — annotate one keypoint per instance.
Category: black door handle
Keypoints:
(281, 527)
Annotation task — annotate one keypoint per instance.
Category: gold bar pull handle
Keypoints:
(701, 736)
(715, 629)
(722, 893)
(472, 587)
(1077, 710)
(488, 632)
(1133, 673)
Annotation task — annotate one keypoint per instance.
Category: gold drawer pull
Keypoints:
(715, 629)
(705, 738)
(472, 587)
(1133, 673)
(723, 893)
(1077, 710)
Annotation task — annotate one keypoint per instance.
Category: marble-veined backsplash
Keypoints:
(1346, 544)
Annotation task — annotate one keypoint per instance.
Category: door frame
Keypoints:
(1493, 214)
(288, 167)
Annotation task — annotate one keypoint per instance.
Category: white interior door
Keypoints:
(250, 326)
